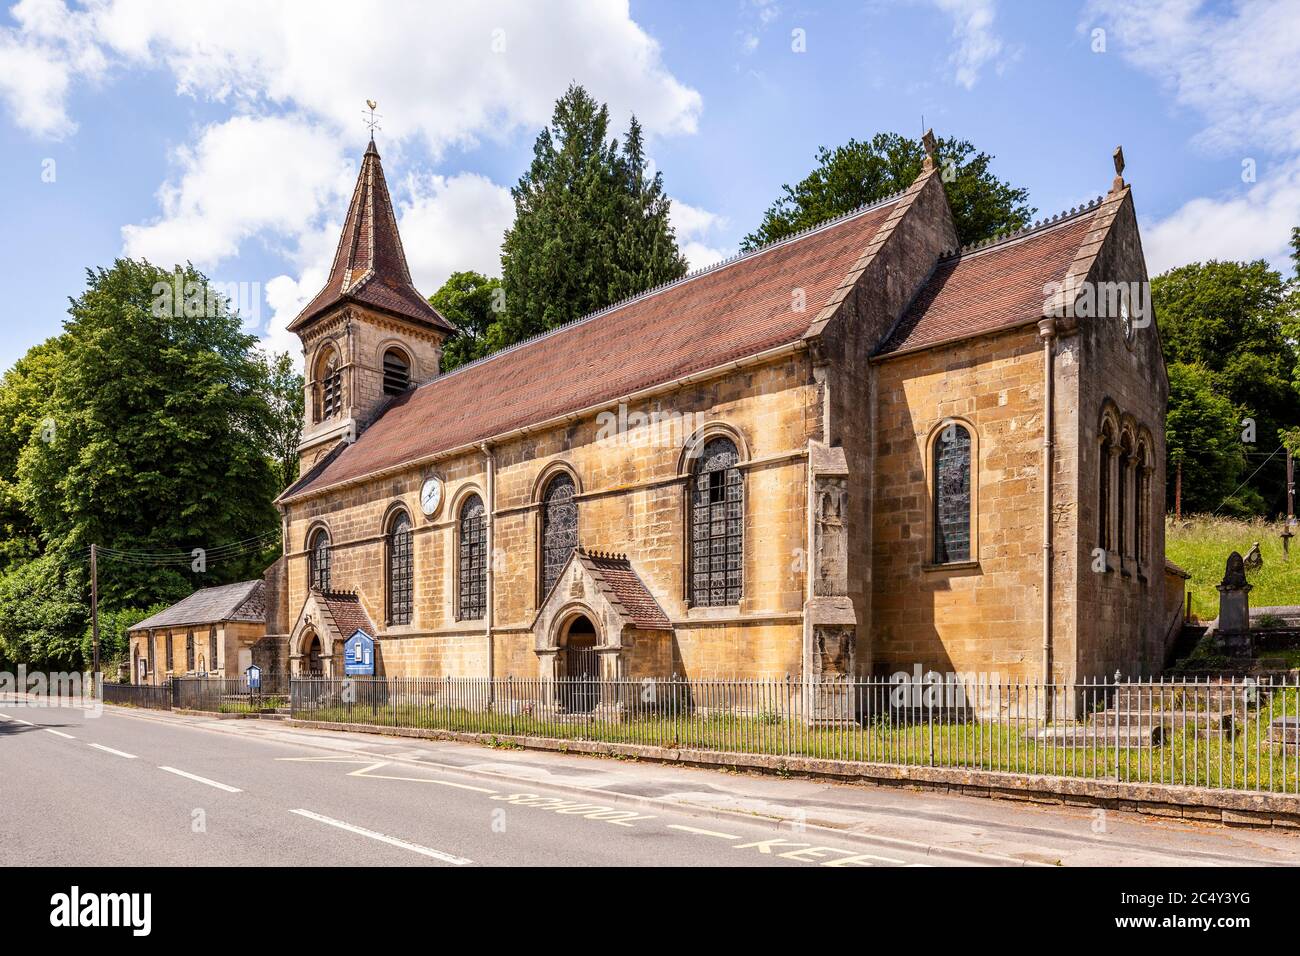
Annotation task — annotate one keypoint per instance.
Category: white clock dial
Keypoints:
(430, 495)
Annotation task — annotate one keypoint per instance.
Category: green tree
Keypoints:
(474, 304)
(159, 435)
(1229, 319)
(859, 172)
(24, 391)
(114, 640)
(43, 612)
(284, 398)
(1203, 435)
(590, 227)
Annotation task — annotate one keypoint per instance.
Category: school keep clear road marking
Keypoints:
(384, 838)
(365, 772)
(195, 777)
(59, 733)
(697, 830)
(110, 750)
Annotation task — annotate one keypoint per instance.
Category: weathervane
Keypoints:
(372, 120)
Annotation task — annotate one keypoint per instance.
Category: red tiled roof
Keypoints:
(731, 311)
(348, 613)
(369, 265)
(627, 589)
(990, 288)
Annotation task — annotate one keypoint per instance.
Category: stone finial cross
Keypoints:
(1118, 157)
(931, 146)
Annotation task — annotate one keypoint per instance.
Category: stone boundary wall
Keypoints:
(1224, 807)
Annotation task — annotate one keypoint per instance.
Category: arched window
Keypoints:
(328, 393)
(1141, 507)
(1103, 491)
(318, 561)
(397, 372)
(399, 569)
(212, 648)
(559, 528)
(169, 652)
(717, 525)
(952, 494)
(472, 568)
(189, 650)
(1122, 494)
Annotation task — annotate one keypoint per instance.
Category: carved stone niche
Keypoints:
(828, 507)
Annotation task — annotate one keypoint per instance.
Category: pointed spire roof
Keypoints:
(369, 265)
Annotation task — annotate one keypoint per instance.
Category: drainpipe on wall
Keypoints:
(1047, 332)
(489, 545)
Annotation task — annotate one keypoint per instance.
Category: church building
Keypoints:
(858, 450)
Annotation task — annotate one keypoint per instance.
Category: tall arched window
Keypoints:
(717, 525)
(318, 561)
(559, 528)
(1122, 494)
(189, 650)
(472, 567)
(1103, 490)
(952, 494)
(212, 649)
(399, 569)
(1141, 507)
(397, 372)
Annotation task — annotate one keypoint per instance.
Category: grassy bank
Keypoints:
(1201, 545)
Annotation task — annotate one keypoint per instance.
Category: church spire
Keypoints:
(369, 265)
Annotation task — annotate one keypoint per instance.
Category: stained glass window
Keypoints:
(559, 528)
(717, 526)
(952, 495)
(399, 569)
(319, 561)
(473, 559)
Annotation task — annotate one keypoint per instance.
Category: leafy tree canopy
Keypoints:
(591, 227)
(474, 304)
(858, 173)
(1202, 433)
(157, 434)
(1229, 320)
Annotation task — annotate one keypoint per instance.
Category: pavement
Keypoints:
(154, 788)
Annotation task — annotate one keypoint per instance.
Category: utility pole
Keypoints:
(1178, 492)
(94, 604)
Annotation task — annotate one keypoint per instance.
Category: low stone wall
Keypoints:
(1228, 807)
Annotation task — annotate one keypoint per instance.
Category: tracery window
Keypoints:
(318, 560)
(399, 569)
(559, 528)
(472, 569)
(717, 525)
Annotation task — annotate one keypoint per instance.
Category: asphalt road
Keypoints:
(132, 789)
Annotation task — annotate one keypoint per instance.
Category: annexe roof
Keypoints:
(242, 601)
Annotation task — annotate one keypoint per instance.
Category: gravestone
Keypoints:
(1234, 607)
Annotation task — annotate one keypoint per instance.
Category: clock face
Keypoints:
(430, 495)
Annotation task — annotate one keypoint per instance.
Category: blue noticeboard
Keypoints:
(254, 675)
(359, 655)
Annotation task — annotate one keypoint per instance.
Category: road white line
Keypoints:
(195, 777)
(110, 750)
(18, 720)
(712, 833)
(382, 838)
(59, 733)
(365, 772)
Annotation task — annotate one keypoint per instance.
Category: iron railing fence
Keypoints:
(229, 695)
(1223, 734)
(155, 696)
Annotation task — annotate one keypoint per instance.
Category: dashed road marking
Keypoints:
(195, 777)
(384, 838)
(110, 750)
(18, 720)
(59, 733)
(712, 833)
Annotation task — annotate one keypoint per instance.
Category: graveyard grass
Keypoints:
(1201, 544)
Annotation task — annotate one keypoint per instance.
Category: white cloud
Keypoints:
(450, 74)
(977, 43)
(39, 59)
(1239, 68)
(451, 224)
(691, 224)
(234, 183)
(1255, 224)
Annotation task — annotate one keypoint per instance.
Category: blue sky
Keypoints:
(228, 134)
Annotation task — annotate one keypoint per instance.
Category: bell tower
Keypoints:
(368, 335)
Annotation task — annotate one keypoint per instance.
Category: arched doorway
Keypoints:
(315, 666)
(580, 666)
